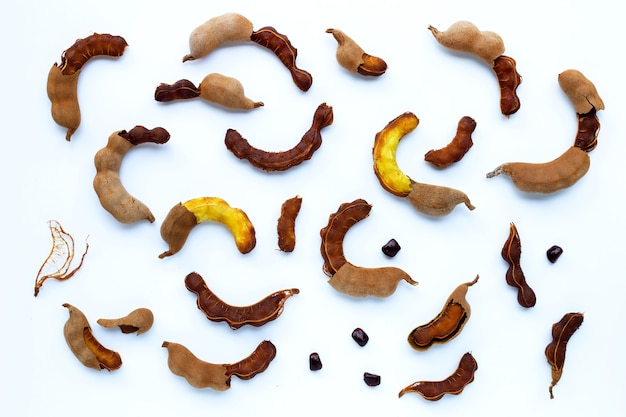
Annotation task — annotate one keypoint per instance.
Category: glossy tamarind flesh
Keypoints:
(511, 253)
(286, 225)
(562, 331)
(457, 148)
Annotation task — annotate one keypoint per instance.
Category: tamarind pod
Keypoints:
(588, 129)
(226, 91)
(84, 49)
(198, 373)
(457, 148)
(112, 194)
(581, 91)
(353, 58)
(183, 217)
(257, 314)
(454, 384)
(219, 30)
(139, 320)
(286, 225)
(511, 253)
(436, 200)
(282, 161)
(278, 43)
(464, 36)
(62, 92)
(562, 331)
(333, 234)
(358, 281)
(257, 362)
(447, 324)
(547, 177)
(180, 90)
(508, 79)
(108, 359)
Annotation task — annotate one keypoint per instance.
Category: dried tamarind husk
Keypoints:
(284, 160)
(346, 277)
(286, 225)
(257, 314)
(562, 331)
(457, 148)
(59, 261)
(454, 384)
(353, 58)
(447, 324)
(137, 321)
(217, 31)
(436, 200)
(511, 253)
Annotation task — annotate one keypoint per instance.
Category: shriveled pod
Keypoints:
(85, 346)
(107, 183)
(257, 314)
(217, 31)
(139, 320)
(346, 277)
(215, 88)
(353, 58)
(457, 148)
(447, 324)
(286, 225)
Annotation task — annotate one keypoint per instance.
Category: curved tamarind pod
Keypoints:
(98, 44)
(183, 217)
(466, 37)
(454, 384)
(282, 161)
(107, 183)
(436, 200)
(353, 58)
(447, 324)
(255, 363)
(278, 43)
(344, 276)
(227, 28)
(555, 351)
(139, 320)
(286, 225)
(257, 314)
(180, 90)
(581, 92)
(546, 177)
(84, 345)
(198, 373)
(457, 148)
(511, 253)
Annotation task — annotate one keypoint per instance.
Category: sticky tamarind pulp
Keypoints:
(257, 314)
(454, 384)
(447, 324)
(180, 90)
(344, 276)
(511, 253)
(108, 359)
(278, 43)
(84, 49)
(281, 161)
(588, 129)
(555, 351)
(457, 148)
(255, 363)
(509, 79)
(286, 226)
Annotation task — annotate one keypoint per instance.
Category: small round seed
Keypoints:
(360, 336)
(554, 253)
(391, 248)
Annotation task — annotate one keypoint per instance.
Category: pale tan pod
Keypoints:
(580, 91)
(362, 282)
(229, 27)
(62, 91)
(349, 54)
(436, 200)
(226, 91)
(139, 320)
(73, 332)
(198, 373)
(464, 36)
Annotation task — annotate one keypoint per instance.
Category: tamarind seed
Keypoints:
(553, 253)
(360, 337)
(391, 248)
(315, 363)
(370, 379)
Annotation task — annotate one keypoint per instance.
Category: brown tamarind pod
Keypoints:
(94, 45)
(286, 225)
(255, 363)
(562, 331)
(457, 148)
(447, 324)
(278, 43)
(257, 314)
(454, 384)
(180, 90)
(509, 79)
(139, 320)
(353, 58)
(511, 253)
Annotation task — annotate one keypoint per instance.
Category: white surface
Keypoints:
(48, 178)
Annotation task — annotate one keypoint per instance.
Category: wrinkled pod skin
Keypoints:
(353, 58)
(217, 31)
(139, 320)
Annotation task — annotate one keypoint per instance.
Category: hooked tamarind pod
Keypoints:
(454, 384)
(555, 351)
(183, 217)
(447, 324)
(257, 314)
(581, 91)
(255, 363)
(457, 148)
(344, 276)
(282, 161)
(547, 177)
(509, 79)
(286, 225)
(278, 43)
(511, 253)
(84, 345)
(433, 200)
(98, 44)
(139, 320)
(353, 58)
(226, 28)
(111, 192)
(180, 90)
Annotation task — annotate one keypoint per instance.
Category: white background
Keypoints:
(46, 177)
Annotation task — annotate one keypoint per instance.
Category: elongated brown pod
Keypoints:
(457, 148)
(286, 225)
(282, 161)
(94, 45)
(139, 320)
(511, 253)
(353, 58)
(562, 331)
(454, 384)
(257, 362)
(278, 43)
(447, 324)
(257, 314)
